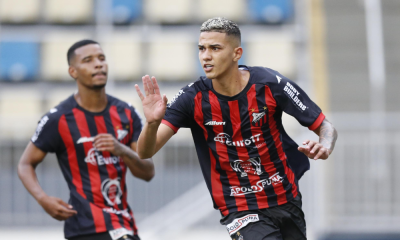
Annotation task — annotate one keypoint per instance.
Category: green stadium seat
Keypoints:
(68, 11)
(19, 11)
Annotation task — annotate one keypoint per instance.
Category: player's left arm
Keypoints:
(140, 168)
(327, 139)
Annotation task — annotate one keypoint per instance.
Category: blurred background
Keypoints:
(344, 53)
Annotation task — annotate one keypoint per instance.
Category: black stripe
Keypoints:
(229, 200)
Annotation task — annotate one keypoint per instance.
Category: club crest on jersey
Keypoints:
(111, 191)
(121, 134)
(253, 166)
(260, 118)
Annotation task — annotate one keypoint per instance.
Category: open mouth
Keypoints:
(208, 67)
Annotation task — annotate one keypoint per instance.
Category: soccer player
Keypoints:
(250, 165)
(94, 136)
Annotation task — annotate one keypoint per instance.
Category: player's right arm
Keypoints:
(154, 134)
(55, 207)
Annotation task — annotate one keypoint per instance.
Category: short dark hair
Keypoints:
(223, 25)
(81, 43)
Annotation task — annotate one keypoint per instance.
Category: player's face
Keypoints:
(217, 54)
(90, 66)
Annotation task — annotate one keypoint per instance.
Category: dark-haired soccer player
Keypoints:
(250, 165)
(94, 136)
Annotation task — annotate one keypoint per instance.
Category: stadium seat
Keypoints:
(20, 111)
(126, 11)
(172, 11)
(54, 55)
(271, 11)
(123, 54)
(19, 11)
(68, 11)
(173, 57)
(231, 9)
(272, 50)
(19, 61)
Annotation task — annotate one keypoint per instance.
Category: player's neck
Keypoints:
(232, 83)
(91, 100)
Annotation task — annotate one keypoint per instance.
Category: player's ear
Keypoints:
(237, 53)
(72, 72)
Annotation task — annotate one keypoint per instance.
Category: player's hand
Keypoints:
(314, 150)
(57, 208)
(107, 142)
(154, 105)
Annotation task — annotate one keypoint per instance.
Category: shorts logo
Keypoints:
(259, 118)
(120, 232)
(253, 166)
(111, 190)
(240, 223)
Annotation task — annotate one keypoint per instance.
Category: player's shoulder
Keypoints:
(189, 91)
(55, 113)
(264, 75)
(120, 104)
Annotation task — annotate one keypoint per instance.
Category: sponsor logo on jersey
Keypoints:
(111, 190)
(120, 233)
(253, 166)
(94, 157)
(258, 187)
(176, 97)
(53, 110)
(213, 123)
(85, 139)
(259, 118)
(242, 222)
(294, 95)
(39, 128)
(226, 139)
(279, 78)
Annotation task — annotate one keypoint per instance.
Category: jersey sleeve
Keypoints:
(295, 102)
(47, 137)
(136, 124)
(179, 110)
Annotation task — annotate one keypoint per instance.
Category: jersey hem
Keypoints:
(317, 122)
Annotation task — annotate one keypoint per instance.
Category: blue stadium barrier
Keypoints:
(126, 11)
(271, 11)
(19, 60)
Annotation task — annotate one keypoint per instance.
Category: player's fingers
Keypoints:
(306, 142)
(146, 88)
(155, 85)
(150, 85)
(303, 150)
(64, 204)
(139, 92)
(315, 148)
(165, 99)
(322, 154)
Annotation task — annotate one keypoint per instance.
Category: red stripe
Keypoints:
(269, 99)
(94, 175)
(71, 152)
(222, 152)
(242, 151)
(317, 122)
(175, 129)
(216, 185)
(116, 122)
(262, 146)
(112, 172)
(129, 115)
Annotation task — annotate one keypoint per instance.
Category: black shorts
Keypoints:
(284, 222)
(104, 236)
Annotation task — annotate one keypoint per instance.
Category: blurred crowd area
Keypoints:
(328, 47)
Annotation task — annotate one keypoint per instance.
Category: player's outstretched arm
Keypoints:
(55, 207)
(327, 139)
(153, 135)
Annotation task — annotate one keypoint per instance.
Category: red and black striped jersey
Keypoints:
(247, 159)
(96, 180)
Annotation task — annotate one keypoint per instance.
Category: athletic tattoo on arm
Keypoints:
(327, 135)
